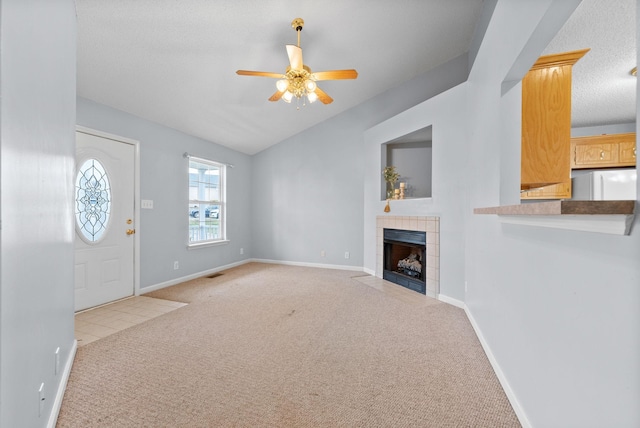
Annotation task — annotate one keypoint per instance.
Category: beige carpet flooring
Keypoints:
(281, 346)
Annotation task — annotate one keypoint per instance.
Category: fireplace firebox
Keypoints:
(405, 258)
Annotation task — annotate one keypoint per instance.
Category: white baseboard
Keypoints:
(314, 265)
(57, 403)
(371, 272)
(519, 411)
(451, 301)
(175, 281)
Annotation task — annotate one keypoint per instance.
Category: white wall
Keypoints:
(447, 114)
(37, 145)
(559, 309)
(163, 179)
(308, 190)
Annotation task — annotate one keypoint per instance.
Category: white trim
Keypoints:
(450, 300)
(62, 386)
(371, 272)
(102, 134)
(138, 223)
(197, 158)
(136, 196)
(614, 224)
(192, 276)
(175, 281)
(209, 162)
(314, 265)
(221, 201)
(205, 244)
(511, 396)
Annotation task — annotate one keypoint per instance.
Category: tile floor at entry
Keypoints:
(96, 323)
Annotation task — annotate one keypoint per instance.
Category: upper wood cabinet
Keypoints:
(546, 121)
(603, 151)
(627, 152)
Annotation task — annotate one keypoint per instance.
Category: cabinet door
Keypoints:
(546, 122)
(595, 155)
(603, 151)
(556, 191)
(628, 153)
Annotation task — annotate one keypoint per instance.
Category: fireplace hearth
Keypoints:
(404, 258)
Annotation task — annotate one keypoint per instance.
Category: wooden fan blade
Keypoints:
(322, 96)
(295, 57)
(335, 75)
(260, 73)
(276, 96)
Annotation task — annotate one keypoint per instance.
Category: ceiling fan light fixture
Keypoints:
(312, 97)
(310, 85)
(282, 85)
(287, 97)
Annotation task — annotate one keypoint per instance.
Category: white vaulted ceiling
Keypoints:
(174, 62)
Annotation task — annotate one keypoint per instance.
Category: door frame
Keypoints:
(136, 198)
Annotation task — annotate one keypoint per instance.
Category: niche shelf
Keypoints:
(411, 154)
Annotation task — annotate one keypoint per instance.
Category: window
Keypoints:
(206, 201)
(93, 201)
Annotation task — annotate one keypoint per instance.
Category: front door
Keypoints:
(105, 227)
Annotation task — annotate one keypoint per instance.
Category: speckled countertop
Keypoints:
(563, 208)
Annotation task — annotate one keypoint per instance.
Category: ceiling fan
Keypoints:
(299, 81)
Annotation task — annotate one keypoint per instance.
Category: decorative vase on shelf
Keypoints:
(389, 190)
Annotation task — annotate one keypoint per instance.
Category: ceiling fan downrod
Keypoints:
(297, 25)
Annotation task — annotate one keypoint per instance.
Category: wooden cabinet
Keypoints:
(554, 191)
(603, 151)
(627, 152)
(546, 123)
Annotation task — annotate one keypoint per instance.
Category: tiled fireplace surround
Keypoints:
(431, 225)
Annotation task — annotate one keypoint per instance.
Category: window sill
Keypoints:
(611, 217)
(197, 246)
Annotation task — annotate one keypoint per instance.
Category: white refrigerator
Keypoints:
(605, 185)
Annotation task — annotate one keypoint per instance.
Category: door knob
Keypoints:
(131, 231)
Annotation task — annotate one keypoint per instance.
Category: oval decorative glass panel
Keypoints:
(93, 200)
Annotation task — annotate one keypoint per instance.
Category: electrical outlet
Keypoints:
(241, 250)
(56, 368)
(322, 253)
(41, 399)
(176, 265)
(146, 204)
(346, 254)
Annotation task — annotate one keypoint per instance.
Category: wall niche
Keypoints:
(411, 154)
